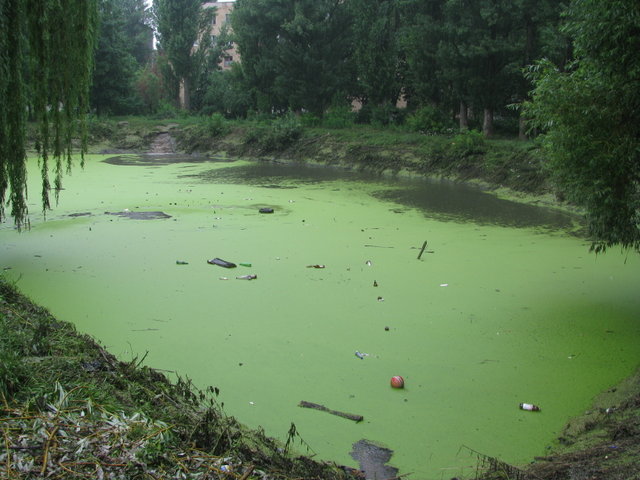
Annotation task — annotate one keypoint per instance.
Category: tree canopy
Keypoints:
(179, 25)
(590, 112)
(124, 47)
(46, 60)
(293, 53)
(305, 55)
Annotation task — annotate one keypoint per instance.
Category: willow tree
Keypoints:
(46, 58)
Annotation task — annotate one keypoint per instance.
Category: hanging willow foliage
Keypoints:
(46, 60)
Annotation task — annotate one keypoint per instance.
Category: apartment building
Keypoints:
(219, 24)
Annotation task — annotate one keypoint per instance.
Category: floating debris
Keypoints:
(322, 408)
(530, 407)
(139, 215)
(221, 263)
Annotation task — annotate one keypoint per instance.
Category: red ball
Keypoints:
(397, 382)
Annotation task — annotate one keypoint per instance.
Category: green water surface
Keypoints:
(507, 309)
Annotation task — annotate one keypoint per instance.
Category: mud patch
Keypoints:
(140, 215)
(372, 459)
(163, 143)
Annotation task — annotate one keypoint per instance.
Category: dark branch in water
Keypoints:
(322, 408)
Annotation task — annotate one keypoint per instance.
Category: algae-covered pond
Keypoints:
(504, 306)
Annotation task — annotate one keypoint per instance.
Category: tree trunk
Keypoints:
(522, 129)
(185, 94)
(487, 123)
(464, 118)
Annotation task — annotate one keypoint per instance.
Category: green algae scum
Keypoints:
(504, 307)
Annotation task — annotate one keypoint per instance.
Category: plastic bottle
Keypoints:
(247, 277)
(530, 407)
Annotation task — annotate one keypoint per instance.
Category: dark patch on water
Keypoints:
(442, 200)
(80, 214)
(283, 187)
(140, 215)
(372, 459)
(162, 159)
(448, 201)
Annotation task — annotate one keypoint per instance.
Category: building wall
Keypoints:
(223, 12)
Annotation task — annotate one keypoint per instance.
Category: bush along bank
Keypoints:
(69, 409)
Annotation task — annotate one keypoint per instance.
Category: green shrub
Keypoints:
(165, 111)
(338, 117)
(216, 125)
(429, 120)
(468, 143)
(310, 120)
(100, 128)
(380, 115)
(278, 135)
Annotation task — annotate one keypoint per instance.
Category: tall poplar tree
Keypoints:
(294, 53)
(178, 24)
(46, 58)
(376, 50)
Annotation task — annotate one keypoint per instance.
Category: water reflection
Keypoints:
(439, 199)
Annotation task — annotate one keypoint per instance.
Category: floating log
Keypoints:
(424, 245)
(322, 408)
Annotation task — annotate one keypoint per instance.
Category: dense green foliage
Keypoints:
(590, 112)
(453, 55)
(181, 26)
(37, 79)
(124, 49)
(293, 53)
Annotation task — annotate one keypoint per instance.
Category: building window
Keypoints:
(213, 39)
(213, 20)
(228, 60)
(227, 18)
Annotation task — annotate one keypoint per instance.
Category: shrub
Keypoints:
(338, 117)
(278, 135)
(380, 115)
(216, 125)
(165, 111)
(430, 120)
(468, 143)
